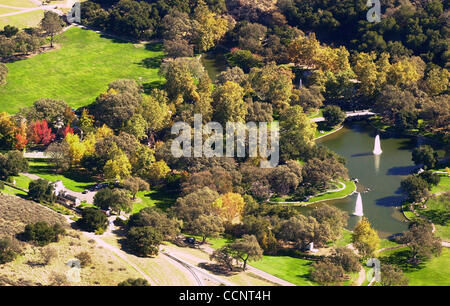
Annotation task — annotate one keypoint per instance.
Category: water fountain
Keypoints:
(359, 206)
(377, 147)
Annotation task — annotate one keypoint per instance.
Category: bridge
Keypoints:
(359, 113)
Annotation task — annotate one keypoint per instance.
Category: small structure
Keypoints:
(63, 197)
(310, 248)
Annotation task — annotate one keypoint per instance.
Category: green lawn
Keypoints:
(321, 126)
(152, 198)
(345, 239)
(23, 20)
(79, 71)
(350, 187)
(438, 211)
(71, 180)
(291, 269)
(18, 3)
(433, 272)
(444, 184)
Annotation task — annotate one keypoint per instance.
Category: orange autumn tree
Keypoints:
(21, 137)
(230, 206)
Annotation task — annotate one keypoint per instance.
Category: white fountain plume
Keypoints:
(377, 147)
(359, 206)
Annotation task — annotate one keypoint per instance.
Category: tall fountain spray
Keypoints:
(359, 206)
(377, 147)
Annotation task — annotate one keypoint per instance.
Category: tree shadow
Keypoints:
(151, 62)
(155, 47)
(362, 154)
(401, 259)
(148, 87)
(216, 269)
(390, 201)
(439, 217)
(402, 170)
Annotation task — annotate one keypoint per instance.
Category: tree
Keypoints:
(144, 240)
(333, 115)
(333, 216)
(421, 241)
(223, 257)
(115, 199)
(59, 153)
(206, 226)
(296, 133)
(230, 206)
(415, 188)
(150, 216)
(272, 84)
(310, 98)
(245, 249)
(431, 178)
(51, 24)
(134, 185)
(365, 239)
(392, 276)
(40, 133)
(42, 233)
(158, 171)
(12, 163)
(118, 168)
(7, 131)
(210, 29)
(9, 250)
(92, 220)
(118, 104)
(325, 272)
(41, 191)
(425, 155)
(136, 282)
(347, 259)
(228, 103)
(195, 204)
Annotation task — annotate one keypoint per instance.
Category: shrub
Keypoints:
(40, 190)
(42, 233)
(333, 115)
(92, 220)
(134, 282)
(8, 250)
(84, 258)
(48, 254)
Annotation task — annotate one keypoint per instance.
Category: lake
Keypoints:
(379, 176)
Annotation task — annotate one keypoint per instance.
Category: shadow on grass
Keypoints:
(401, 259)
(439, 217)
(151, 62)
(148, 87)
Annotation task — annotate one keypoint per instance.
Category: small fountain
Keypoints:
(359, 206)
(377, 147)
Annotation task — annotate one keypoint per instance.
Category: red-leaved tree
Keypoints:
(41, 133)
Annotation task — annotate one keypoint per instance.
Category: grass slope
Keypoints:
(79, 71)
(23, 20)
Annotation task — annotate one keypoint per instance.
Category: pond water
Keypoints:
(379, 176)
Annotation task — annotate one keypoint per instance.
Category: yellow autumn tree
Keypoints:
(118, 168)
(211, 27)
(230, 206)
(77, 148)
(365, 239)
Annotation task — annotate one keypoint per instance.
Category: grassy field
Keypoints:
(350, 187)
(19, 3)
(438, 211)
(152, 198)
(291, 269)
(71, 180)
(444, 184)
(433, 272)
(79, 71)
(23, 20)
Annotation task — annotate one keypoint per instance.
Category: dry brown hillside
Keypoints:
(16, 212)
